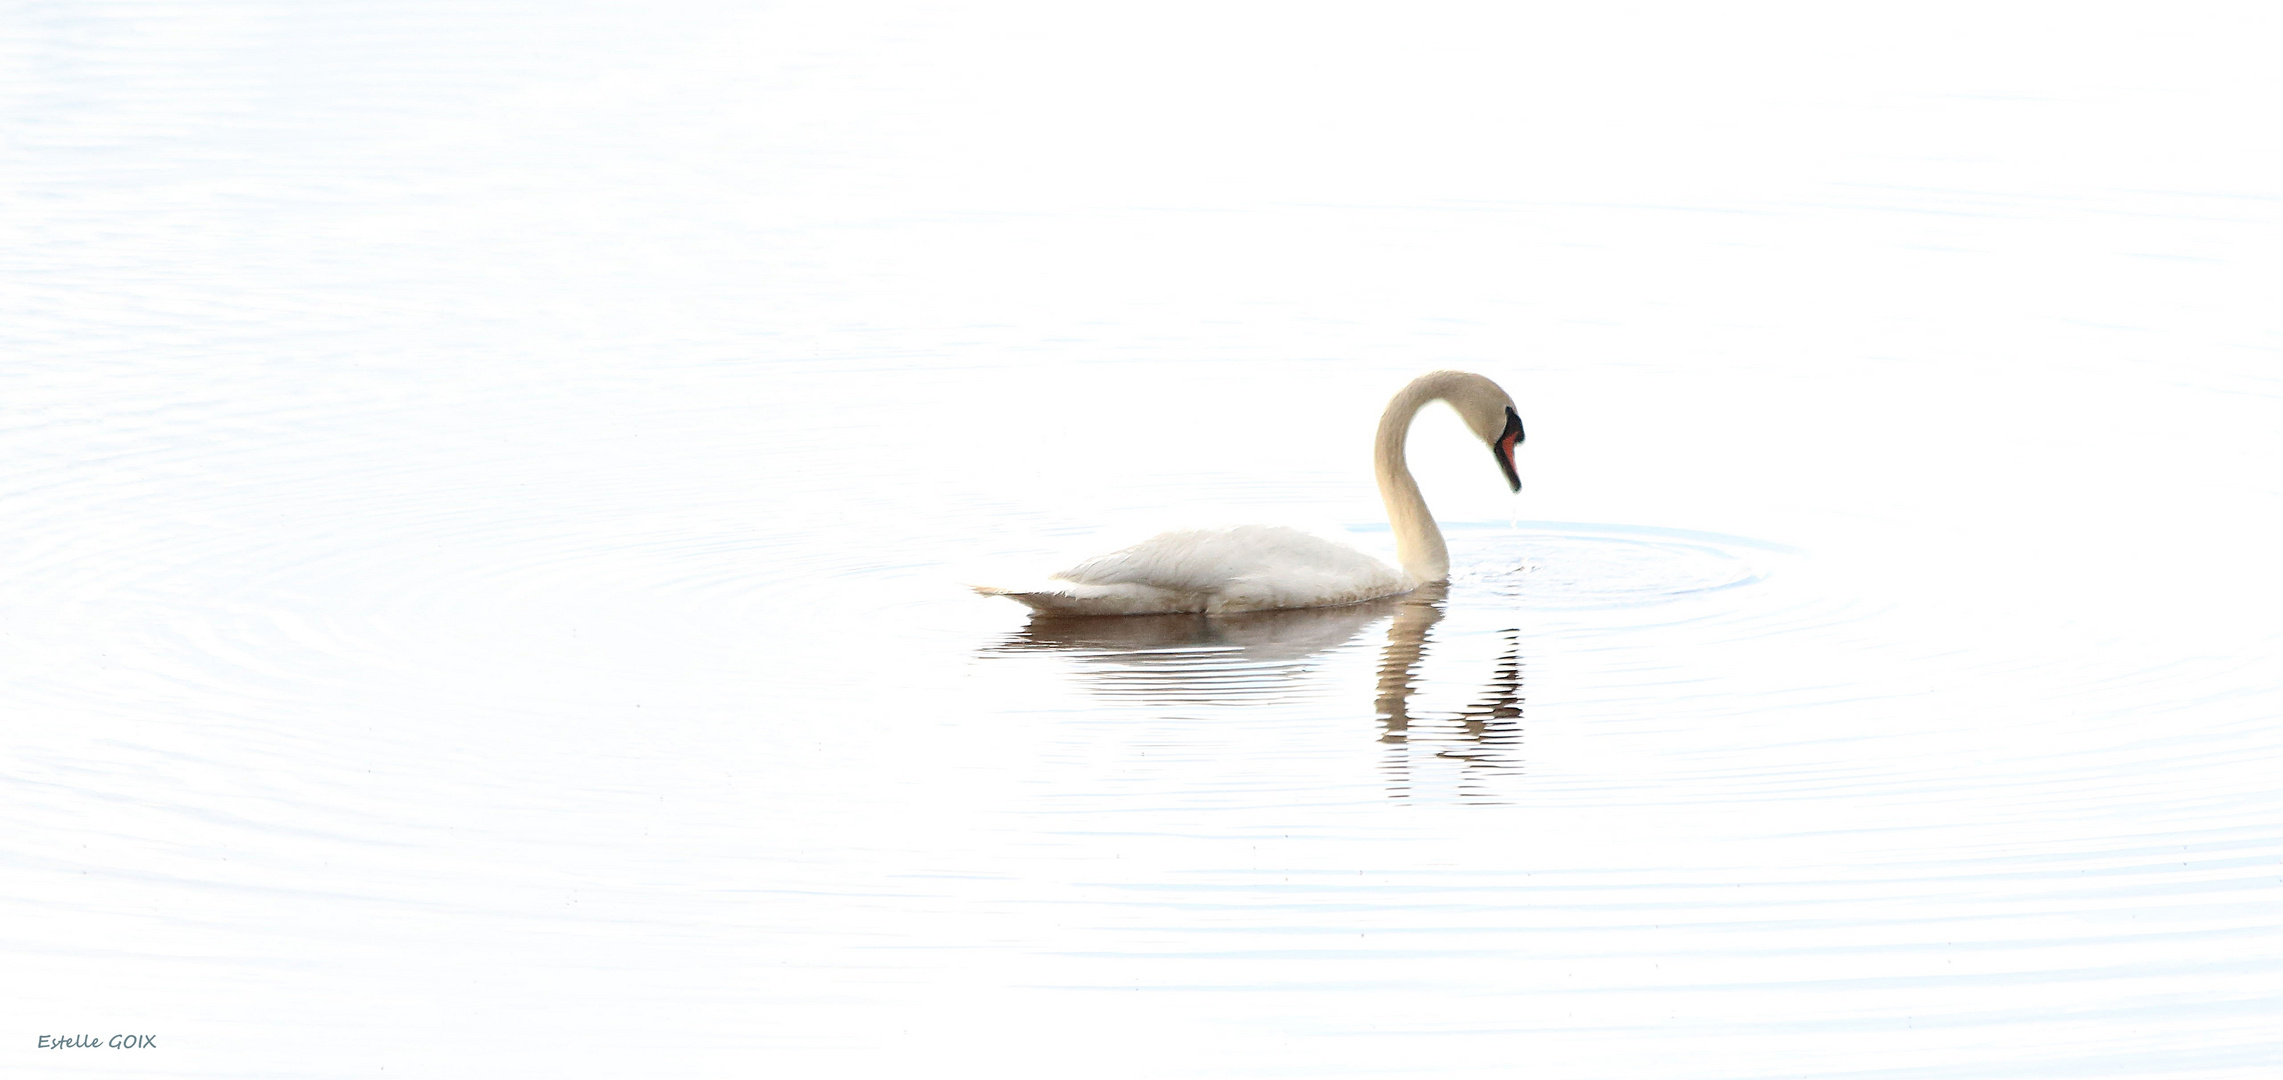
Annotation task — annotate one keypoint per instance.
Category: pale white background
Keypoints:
(487, 489)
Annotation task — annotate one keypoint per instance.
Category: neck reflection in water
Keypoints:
(1273, 657)
(1483, 739)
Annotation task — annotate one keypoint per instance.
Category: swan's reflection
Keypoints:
(1201, 659)
(1261, 657)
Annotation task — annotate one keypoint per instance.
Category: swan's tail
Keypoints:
(1045, 600)
(1075, 598)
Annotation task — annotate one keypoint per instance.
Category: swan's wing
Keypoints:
(1202, 560)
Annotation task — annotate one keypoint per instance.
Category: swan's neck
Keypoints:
(1418, 543)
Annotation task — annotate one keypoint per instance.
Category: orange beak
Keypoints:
(1504, 448)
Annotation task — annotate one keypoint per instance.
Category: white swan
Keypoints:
(1269, 567)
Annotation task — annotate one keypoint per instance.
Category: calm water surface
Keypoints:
(490, 495)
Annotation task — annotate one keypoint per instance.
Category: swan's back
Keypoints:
(1245, 568)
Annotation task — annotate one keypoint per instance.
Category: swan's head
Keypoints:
(1490, 413)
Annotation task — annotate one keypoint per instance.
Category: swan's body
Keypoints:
(1245, 568)
(1270, 567)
